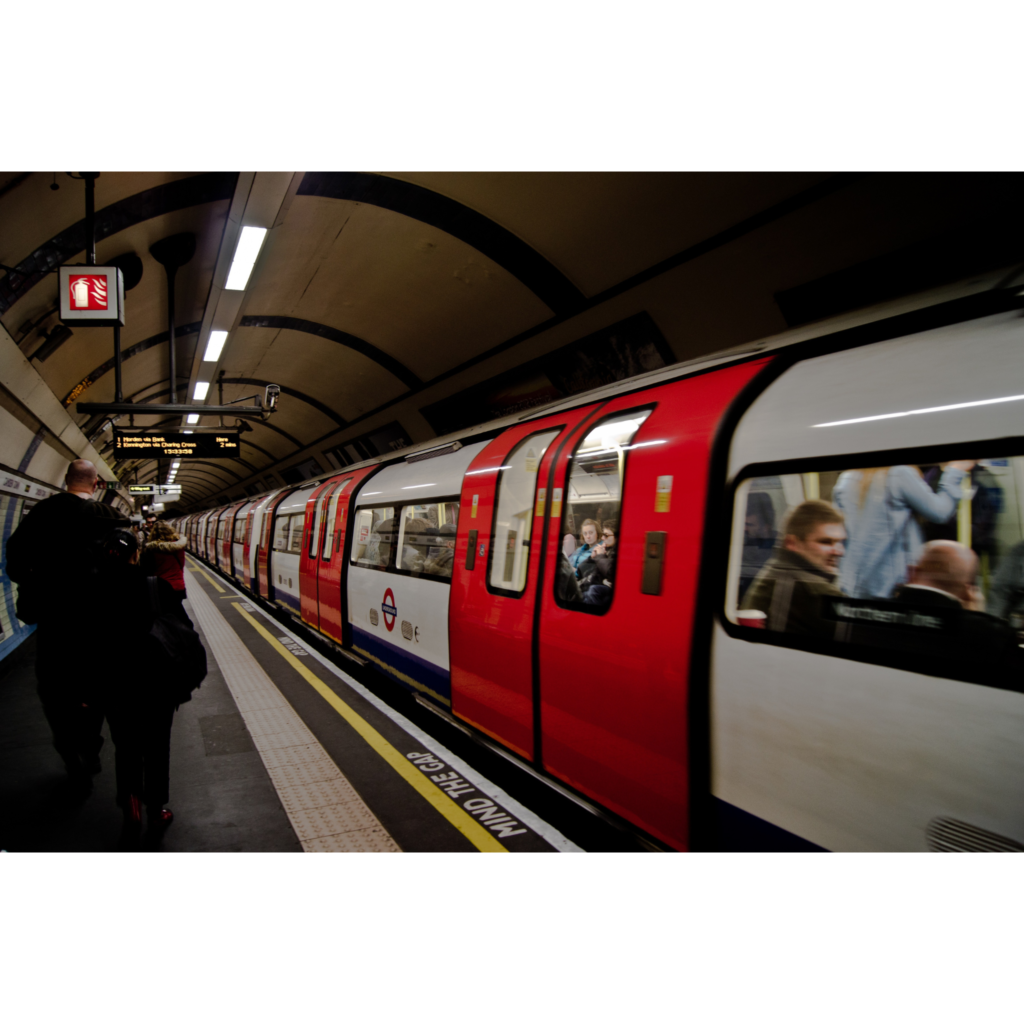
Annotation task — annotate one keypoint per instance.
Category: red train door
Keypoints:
(312, 537)
(266, 533)
(247, 541)
(613, 662)
(491, 611)
(331, 564)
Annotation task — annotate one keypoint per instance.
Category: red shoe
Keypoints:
(160, 818)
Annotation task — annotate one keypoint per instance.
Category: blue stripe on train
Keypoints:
(288, 600)
(433, 680)
(737, 830)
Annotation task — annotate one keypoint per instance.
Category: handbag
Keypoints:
(176, 653)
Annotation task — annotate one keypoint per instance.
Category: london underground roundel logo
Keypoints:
(387, 606)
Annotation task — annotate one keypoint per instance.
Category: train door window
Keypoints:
(513, 516)
(591, 513)
(266, 528)
(314, 534)
(426, 538)
(374, 537)
(332, 515)
(918, 565)
(281, 528)
(295, 541)
(240, 529)
(247, 535)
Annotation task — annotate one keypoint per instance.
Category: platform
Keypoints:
(279, 750)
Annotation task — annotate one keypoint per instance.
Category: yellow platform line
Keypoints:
(216, 585)
(468, 826)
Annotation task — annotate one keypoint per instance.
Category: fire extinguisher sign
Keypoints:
(91, 296)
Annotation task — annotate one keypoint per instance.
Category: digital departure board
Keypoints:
(165, 445)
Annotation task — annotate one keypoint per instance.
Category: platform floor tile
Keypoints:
(324, 809)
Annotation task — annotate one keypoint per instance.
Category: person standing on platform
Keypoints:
(140, 714)
(53, 557)
(164, 556)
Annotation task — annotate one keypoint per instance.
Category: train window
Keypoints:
(317, 521)
(332, 515)
(513, 516)
(295, 540)
(917, 565)
(239, 530)
(426, 538)
(247, 534)
(374, 537)
(281, 528)
(585, 578)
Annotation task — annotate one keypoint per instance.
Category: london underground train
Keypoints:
(454, 567)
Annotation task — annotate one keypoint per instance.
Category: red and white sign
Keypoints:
(87, 291)
(91, 296)
(387, 606)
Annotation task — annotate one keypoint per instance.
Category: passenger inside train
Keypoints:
(422, 537)
(594, 501)
(877, 581)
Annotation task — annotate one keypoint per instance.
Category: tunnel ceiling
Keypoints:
(369, 287)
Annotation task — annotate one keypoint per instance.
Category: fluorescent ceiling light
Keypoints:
(215, 346)
(202, 386)
(193, 418)
(921, 412)
(188, 431)
(248, 248)
(175, 465)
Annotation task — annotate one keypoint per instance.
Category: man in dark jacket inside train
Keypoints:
(790, 587)
(51, 556)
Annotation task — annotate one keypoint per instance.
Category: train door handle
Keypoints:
(471, 552)
(654, 562)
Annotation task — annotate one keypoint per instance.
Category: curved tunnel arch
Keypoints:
(499, 244)
(153, 202)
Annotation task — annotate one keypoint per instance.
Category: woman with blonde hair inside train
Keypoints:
(883, 537)
(588, 541)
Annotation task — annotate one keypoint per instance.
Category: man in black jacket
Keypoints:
(52, 558)
(944, 580)
(793, 584)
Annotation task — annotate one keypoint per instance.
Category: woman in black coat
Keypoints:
(140, 717)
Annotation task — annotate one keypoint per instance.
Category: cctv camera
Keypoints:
(272, 395)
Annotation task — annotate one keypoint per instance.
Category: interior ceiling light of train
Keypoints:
(390, 308)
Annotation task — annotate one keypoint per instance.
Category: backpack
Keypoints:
(178, 658)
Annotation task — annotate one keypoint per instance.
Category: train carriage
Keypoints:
(448, 567)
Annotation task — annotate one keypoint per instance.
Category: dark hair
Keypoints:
(808, 515)
(611, 524)
(120, 546)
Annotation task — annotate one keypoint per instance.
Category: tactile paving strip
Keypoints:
(326, 812)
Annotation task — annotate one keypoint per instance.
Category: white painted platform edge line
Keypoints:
(227, 660)
(526, 816)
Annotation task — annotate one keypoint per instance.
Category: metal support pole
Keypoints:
(118, 395)
(90, 216)
(171, 271)
(220, 393)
